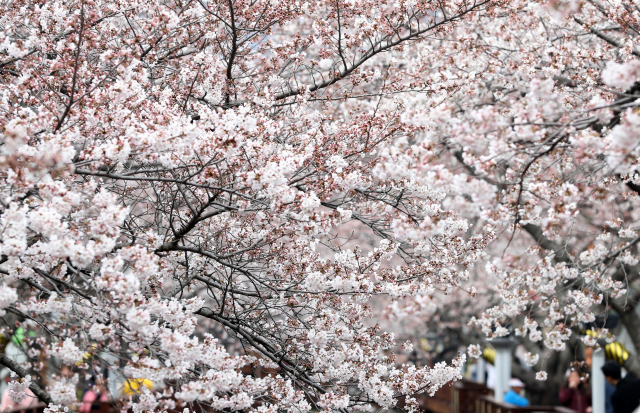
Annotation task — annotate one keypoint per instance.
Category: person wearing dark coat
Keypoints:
(575, 394)
(626, 397)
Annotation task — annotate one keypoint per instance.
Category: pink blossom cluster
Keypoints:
(17, 388)
(296, 174)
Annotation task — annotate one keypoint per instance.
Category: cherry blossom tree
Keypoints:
(537, 141)
(172, 167)
(285, 169)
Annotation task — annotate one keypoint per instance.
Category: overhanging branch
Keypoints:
(16, 368)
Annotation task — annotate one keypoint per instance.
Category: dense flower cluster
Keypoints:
(280, 168)
(17, 388)
(537, 142)
(170, 167)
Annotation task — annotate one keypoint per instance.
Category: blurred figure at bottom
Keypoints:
(626, 397)
(575, 394)
(94, 397)
(513, 395)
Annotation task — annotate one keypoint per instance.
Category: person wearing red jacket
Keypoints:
(575, 394)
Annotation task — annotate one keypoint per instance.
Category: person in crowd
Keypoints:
(513, 395)
(575, 394)
(626, 397)
(94, 396)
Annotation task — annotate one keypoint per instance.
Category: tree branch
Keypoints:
(15, 367)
